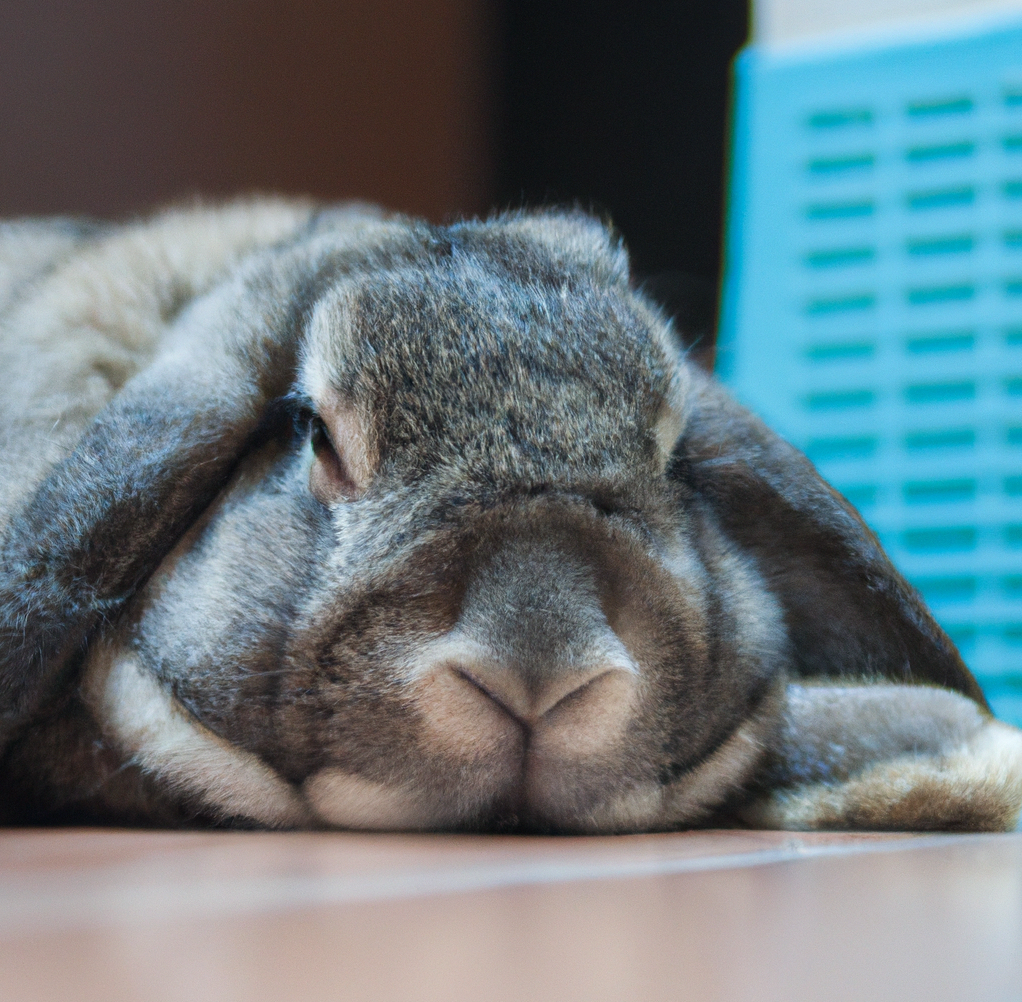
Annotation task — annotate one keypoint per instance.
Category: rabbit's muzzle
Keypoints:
(506, 751)
(531, 712)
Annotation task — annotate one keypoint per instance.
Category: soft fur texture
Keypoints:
(320, 517)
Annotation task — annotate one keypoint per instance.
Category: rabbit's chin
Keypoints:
(489, 771)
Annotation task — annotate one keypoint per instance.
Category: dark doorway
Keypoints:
(622, 108)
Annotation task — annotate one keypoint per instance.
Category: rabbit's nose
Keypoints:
(530, 696)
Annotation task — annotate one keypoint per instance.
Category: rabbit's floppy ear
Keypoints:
(887, 757)
(882, 725)
(848, 612)
(149, 463)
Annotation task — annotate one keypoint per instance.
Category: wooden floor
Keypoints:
(114, 915)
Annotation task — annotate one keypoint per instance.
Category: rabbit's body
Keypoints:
(518, 566)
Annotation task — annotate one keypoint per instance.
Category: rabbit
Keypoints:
(323, 517)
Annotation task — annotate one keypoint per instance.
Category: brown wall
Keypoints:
(109, 106)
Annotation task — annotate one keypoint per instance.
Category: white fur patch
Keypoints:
(151, 727)
(325, 355)
(346, 801)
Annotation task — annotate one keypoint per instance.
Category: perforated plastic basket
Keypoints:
(873, 305)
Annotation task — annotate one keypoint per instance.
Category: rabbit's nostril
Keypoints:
(525, 698)
(472, 680)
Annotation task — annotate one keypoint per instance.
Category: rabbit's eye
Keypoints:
(329, 480)
(320, 437)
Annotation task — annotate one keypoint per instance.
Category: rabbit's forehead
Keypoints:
(459, 355)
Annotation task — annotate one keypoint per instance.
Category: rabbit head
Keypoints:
(466, 591)
(499, 558)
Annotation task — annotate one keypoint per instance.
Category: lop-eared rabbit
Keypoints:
(318, 517)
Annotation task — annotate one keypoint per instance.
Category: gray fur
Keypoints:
(556, 580)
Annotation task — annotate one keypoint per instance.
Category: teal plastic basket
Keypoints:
(873, 304)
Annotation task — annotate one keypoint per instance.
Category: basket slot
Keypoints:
(939, 491)
(841, 257)
(946, 539)
(944, 198)
(958, 243)
(839, 118)
(940, 393)
(840, 351)
(941, 151)
(933, 439)
(942, 343)
(960, 588)
(851, 209)
(939, 107)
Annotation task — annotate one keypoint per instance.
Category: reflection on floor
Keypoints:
(117, 915)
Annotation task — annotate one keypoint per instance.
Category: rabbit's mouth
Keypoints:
(570, 769)
(549, 797)
(502, 754)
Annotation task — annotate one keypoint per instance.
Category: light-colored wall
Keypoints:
(793, 20)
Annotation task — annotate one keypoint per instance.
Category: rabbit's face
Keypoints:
(514, 566)
(470, 595)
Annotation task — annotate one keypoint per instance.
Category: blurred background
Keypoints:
(437, 108)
